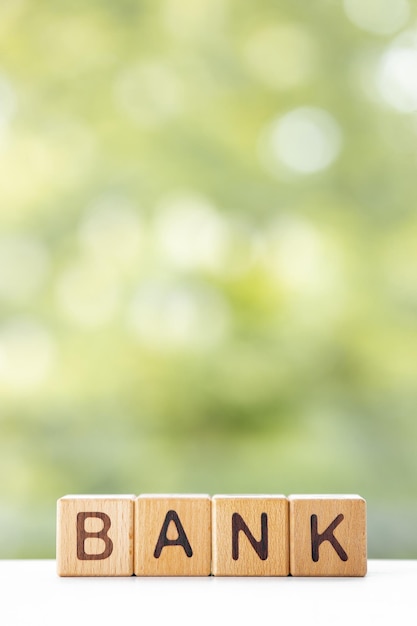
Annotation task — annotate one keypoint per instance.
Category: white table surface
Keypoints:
(32, 594)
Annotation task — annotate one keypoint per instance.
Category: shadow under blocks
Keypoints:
(223, 535)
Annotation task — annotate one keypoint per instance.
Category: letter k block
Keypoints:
(95, 535)
(327, 535)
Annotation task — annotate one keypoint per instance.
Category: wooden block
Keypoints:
(327, 535)
(250, 535)
(95, 535)
(173, 535)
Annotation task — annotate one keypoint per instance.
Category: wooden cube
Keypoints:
(173, 535)
(327, 535)
(250, 535)
(95, 535)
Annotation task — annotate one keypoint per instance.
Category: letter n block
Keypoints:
(95, 535)
(327, 535)
(173, 535)
(250, 535)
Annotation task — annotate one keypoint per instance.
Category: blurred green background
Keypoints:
(208, 255)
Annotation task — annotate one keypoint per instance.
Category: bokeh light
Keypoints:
(87, 294)
(111, 233)
(150, 93)
(382, 17)
(397, 73)
(167, 315)
(305, 140)
(282, 56)
(27, 354)
(24, 265)
(191, 234)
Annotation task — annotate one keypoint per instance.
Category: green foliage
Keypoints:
(207, 255)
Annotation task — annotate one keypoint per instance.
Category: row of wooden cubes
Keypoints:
(223, 535)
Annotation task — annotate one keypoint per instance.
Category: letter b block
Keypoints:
(173, 535)
(250, 535)
(327, 535)
(95, 535)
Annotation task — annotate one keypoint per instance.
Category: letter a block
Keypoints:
(327, 535)
(95, 535)
(173, 535)
(250, 535)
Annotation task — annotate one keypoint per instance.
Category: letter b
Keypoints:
(95, 535)
(82, 535)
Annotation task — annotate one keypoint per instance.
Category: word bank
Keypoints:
(222, 535)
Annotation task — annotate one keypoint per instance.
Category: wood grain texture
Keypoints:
(327, 535)
(95, 535)
(250, 535)
(173, 535)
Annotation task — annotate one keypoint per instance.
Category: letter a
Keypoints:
(318, 538)
(182, 540)
(260, 547)
(82, 535)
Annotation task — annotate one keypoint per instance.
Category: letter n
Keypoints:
(260, 547)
